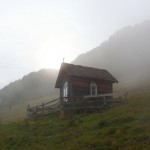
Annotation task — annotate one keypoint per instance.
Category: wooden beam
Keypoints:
(103, 95)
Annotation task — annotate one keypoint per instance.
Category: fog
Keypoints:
(111, 35)
(39, 34)
(125, 54)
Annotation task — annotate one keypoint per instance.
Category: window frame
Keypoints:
(93, 84)
(65, 91)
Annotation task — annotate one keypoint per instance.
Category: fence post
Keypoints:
(105, 104)
(73, 102)
(61, 108)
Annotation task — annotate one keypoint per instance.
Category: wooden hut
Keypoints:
(77, 81)
(81, 89)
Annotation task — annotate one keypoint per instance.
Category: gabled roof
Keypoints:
(82, 71)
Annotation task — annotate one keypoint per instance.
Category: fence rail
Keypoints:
(78, 104)
(44, 108)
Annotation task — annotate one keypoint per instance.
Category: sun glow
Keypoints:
(50, 59)
(62, 42)
(51, 55)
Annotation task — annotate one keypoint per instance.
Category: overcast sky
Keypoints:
(37, 34)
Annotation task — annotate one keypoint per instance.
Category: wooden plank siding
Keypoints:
(81, 86)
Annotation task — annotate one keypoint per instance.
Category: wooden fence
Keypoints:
(44, 108)
(71, 105)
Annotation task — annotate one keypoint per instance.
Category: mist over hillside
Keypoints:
(125, 54)
(33, 86)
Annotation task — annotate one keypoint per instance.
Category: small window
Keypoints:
(93, 88)
(65, 91)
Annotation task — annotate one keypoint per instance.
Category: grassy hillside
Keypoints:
(18, 111)
(125, 127)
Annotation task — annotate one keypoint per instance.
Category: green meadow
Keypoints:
(125, 127)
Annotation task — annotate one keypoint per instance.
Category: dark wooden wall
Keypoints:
(81, 86)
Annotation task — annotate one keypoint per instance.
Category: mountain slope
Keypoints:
(33, 88)
(125, 54)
